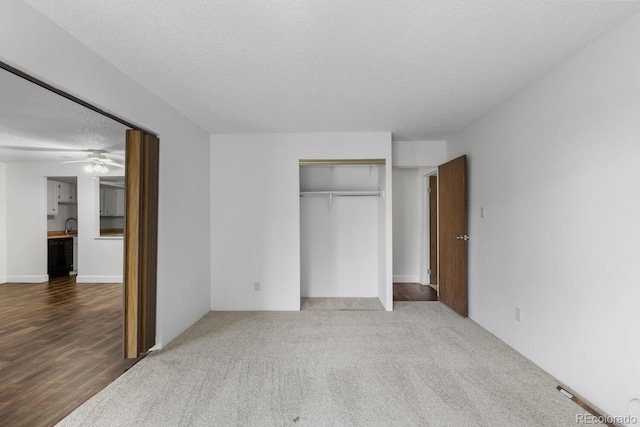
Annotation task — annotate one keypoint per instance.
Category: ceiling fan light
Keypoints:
(100, 167)
(89, 168)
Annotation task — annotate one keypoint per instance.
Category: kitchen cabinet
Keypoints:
(111, 202)
(108, 199)
(119, 202)
(66, 192)
(52, 198)
(59, 192)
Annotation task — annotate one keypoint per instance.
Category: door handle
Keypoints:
(462, 237)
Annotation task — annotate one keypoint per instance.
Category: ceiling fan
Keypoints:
(97, 162)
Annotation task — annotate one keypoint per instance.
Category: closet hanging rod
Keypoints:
(340, 193)
(337, 162)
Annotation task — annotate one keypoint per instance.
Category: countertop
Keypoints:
(112, 232)
(61, 235)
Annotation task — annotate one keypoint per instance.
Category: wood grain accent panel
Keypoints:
(132, 239)
(149, 249)
(141, 241)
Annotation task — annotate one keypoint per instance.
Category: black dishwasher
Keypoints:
(60, 256)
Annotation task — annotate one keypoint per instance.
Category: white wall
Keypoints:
(65, 211)
(33, 44)
(3, 223)
(111, 222)
(93, 251)
(557, 169)
(339, 247)
(255, 213)
(407, 225)
(411, 154)
(99, 261)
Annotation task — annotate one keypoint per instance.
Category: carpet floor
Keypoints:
(420, 365)
(340, 304)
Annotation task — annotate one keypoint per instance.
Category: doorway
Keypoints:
(47, 148)
(411, 236)
(62, 226)
(431, 199)
(442, 208)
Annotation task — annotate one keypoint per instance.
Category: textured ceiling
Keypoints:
(421, 69)
(37, 125)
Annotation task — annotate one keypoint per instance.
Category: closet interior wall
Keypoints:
(339, 230)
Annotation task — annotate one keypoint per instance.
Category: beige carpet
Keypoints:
(340, 304)
(420, 365)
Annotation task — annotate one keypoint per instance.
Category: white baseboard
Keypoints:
(338, 295)
(98, 279)
(3, 279)
(406, 279)
(28, 279)
(158, 345)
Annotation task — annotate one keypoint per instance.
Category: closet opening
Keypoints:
(342, 227)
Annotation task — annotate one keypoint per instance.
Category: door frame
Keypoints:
(426, 252)
(151, 210)
(433, 228)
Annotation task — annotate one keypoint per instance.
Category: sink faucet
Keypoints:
(67, 229)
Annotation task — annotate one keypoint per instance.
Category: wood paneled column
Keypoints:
(141, 242)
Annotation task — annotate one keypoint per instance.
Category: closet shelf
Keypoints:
(340, 193)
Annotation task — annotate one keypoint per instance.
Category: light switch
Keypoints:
(482, 213)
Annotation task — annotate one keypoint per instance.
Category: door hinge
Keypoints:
(429, 271)
(428, 189)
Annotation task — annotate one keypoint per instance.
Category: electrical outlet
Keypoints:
(517, 314)
(256, 286)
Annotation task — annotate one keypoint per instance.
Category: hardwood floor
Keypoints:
(60, 343)
(413, 292)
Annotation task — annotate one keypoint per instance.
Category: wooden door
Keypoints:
(433, 229)
(452, 234)
(141, 242)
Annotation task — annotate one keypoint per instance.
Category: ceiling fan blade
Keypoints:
(77, 161)
(44, 149)
(112, 163)
(112, 184)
